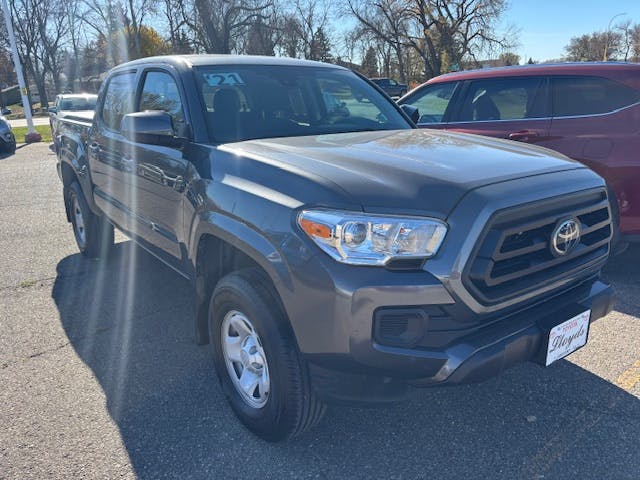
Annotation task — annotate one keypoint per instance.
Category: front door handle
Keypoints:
(524, 135)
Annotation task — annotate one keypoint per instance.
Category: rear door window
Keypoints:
(432, 102)
(514, 98)
(578, 96)
(118, 99)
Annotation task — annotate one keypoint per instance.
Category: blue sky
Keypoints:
(546, 26)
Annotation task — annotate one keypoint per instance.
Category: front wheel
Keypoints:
(94, 235)
(263, 376)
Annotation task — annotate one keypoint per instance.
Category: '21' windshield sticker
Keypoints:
(223, 79)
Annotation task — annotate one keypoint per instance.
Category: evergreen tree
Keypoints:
(370, 63)
(320, 47)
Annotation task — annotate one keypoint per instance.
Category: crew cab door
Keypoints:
(140, 186)
(514, 108)
(159, 172)
(111, 155)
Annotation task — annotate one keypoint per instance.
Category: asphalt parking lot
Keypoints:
(100, 378)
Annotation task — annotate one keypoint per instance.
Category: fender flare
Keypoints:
(247, 240)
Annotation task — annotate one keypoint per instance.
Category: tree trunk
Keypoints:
(401, 65)
(136, 31)
(38, 78)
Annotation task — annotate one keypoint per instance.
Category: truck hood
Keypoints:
(421, 172)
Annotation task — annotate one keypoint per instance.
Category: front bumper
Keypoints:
(333, 306)
(484, 353)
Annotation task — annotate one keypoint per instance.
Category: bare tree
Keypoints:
(312, 18)
(260, 39)
(386, 21)
(444, 33)
(218, 24)
(25, 15)
(635, 43)
(135, 13)
(180, 37)
(448, 32)
(288, 41)
(508, 58)
(53, 26)
(629, 41)
(594, 46)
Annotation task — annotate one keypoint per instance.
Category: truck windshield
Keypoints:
(78, 104)
(245, 102)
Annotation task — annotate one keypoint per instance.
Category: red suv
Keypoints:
(587, 111)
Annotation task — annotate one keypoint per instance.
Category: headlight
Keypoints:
(362, 239)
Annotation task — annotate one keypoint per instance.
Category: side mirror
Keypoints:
(53, 109)
(153, 127)
(6, 111)
(411, 112)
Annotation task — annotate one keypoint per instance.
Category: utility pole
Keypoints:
(32, 135)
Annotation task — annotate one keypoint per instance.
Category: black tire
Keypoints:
(291, 405)
(9, 148)
(94, 235)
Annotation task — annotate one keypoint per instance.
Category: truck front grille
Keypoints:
(515, 253)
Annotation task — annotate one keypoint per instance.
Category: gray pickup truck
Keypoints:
(338, 254)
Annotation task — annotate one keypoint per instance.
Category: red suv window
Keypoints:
(575, 96)
(504, 99)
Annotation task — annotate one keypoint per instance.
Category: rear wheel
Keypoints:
(263, 376)
(94, 235)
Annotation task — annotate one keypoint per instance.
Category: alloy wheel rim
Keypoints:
(245, 359)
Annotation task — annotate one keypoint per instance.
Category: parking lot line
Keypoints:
(630, 377)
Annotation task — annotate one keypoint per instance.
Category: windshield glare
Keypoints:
(259, 101)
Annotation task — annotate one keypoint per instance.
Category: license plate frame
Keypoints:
(567, 337)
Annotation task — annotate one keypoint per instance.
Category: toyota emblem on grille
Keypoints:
(565, 237)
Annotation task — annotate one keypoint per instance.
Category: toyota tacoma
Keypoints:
(338, 254)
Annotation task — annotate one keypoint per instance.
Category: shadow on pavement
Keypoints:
(130, 320)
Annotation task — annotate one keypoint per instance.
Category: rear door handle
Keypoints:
(523, 135)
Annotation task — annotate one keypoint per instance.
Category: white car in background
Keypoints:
(69, 105)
